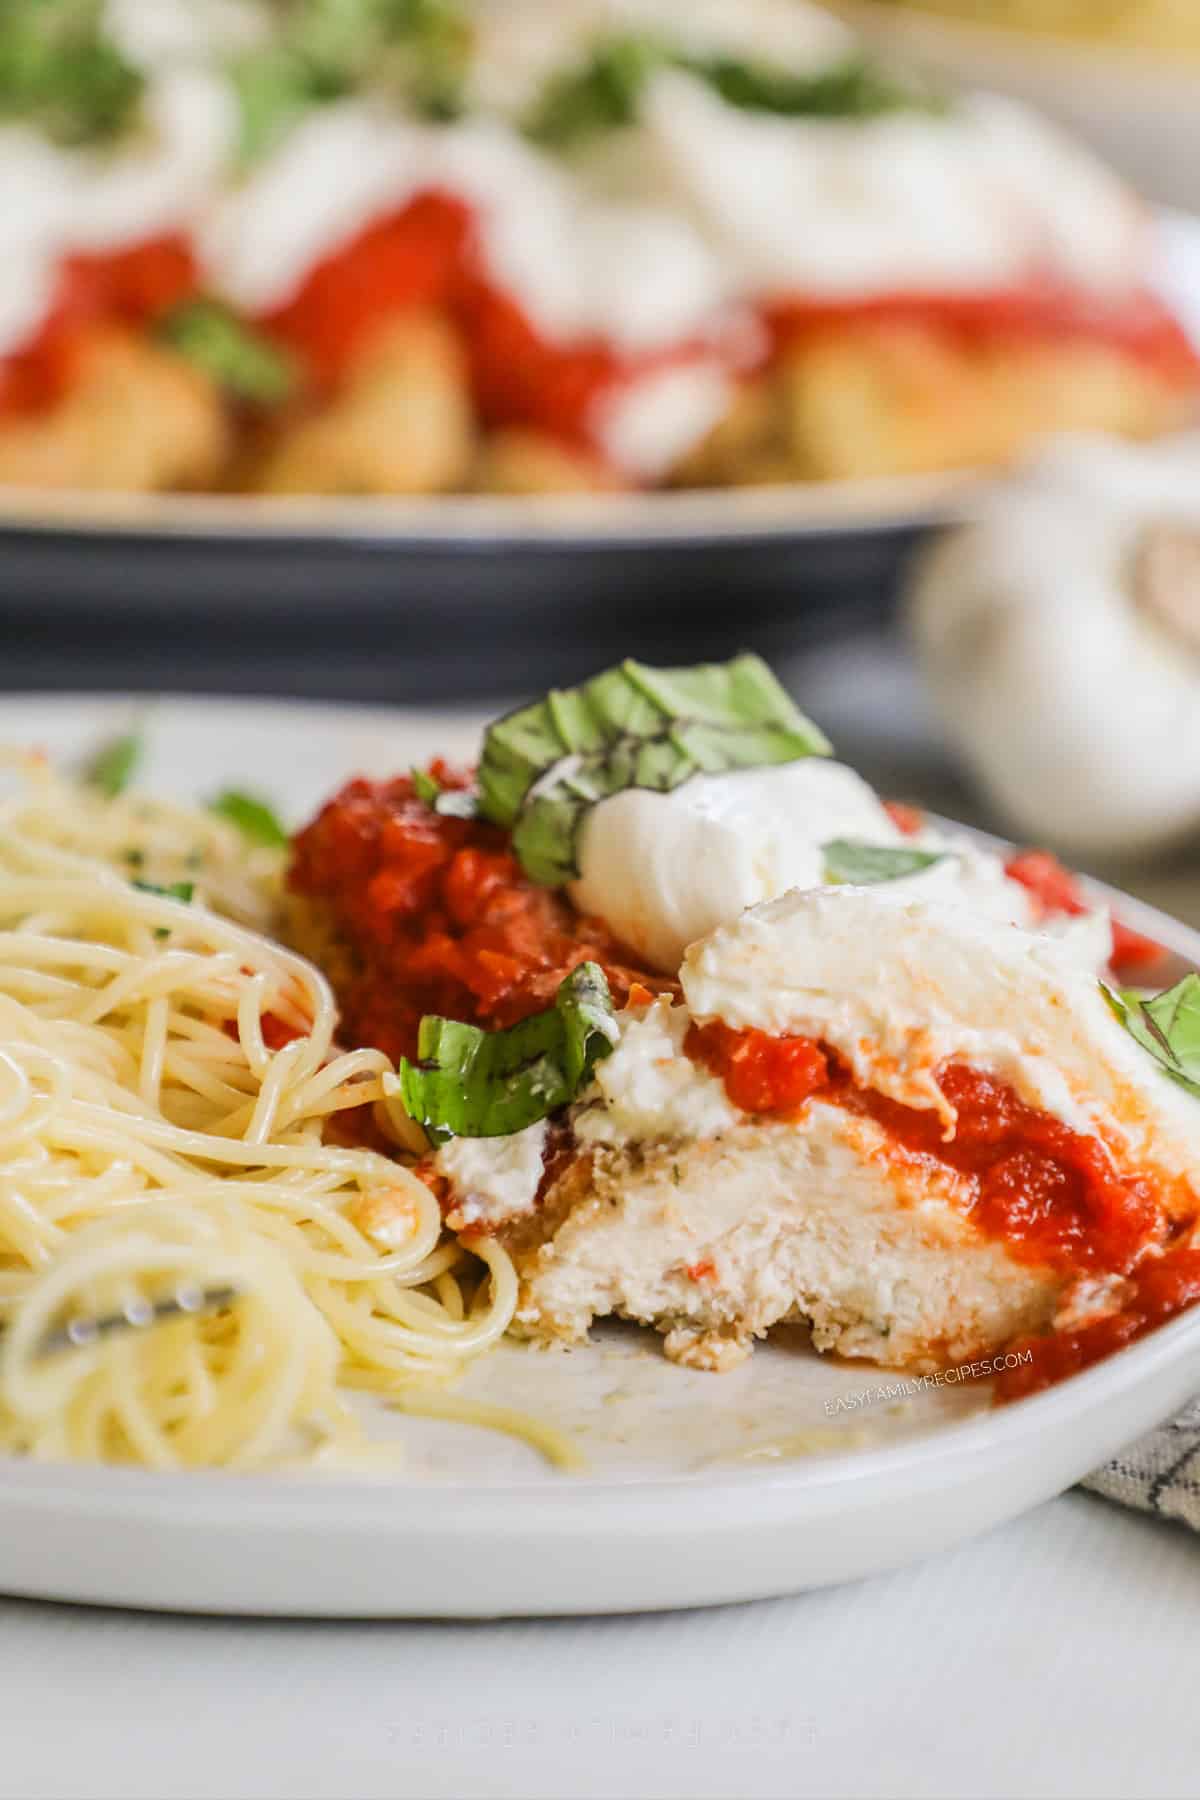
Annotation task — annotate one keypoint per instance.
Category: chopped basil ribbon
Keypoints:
(603, 92)
(252, 817)
(321, 50)
(483, 1084)
(239, 359)
(60, 74)
(176, 890)
(545, 766)
(112, 768)
(1167, 1025)
(862, 865)
(451, 803)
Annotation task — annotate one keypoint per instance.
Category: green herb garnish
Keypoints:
(545, 766)
(1167, 1025)
(112, 768)
(175, 890)
(600, 95)
(451, 803)
(324, 49)
(856, 88)
(252, 816)
(604, 92)
(479, 1084)
(862, 865)
(237, 357)
(59, 73)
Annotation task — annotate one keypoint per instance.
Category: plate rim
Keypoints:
(472, 522)
(300, 1496)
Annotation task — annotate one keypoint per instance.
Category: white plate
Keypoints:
(1140, 109)
(699, 1489)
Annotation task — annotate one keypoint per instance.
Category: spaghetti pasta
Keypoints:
(167, 1078)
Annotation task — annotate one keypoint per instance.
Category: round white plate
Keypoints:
(791, 1472)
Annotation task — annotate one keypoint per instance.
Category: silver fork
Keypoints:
(188, 1299)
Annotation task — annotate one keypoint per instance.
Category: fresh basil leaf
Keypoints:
(451, 803)
(600, 95)
(60, 74)
(323, 49)
(1167, 1026)
(239, 359)
(546, 765)
(604, 92)
(252, 816)
(274, 89)
(856, 88)
(112, 768)
(862, 865)
(479, 1084)
(425, 788)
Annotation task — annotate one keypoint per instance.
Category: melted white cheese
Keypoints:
(34, 220)
(664, 869)
(520, 45)
(160, 181)
(649, 1089)
(580, 265)
(493, 1178)
(155, 33)
(648, 424)
(897, 989)
(985, 197)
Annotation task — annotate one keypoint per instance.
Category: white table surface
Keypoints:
(1056, 1658)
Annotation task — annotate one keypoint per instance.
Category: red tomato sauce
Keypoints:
(426, 254)
(412, 258)
(1058, 891)
(762, 1074)
(438, 917)
(1141, 327)
(129, 287)
(1162, 1288)
(1047, 1192)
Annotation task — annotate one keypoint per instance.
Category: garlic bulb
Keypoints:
(1060, 638)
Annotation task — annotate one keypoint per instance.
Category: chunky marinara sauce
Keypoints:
(426, 255)
(1050, 1194)
(1141, 326)
(437, 916)
(131, 287)
(1161, 1289)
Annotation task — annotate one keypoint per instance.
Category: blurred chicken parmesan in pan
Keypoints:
(707, 1036)
(426, 246)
